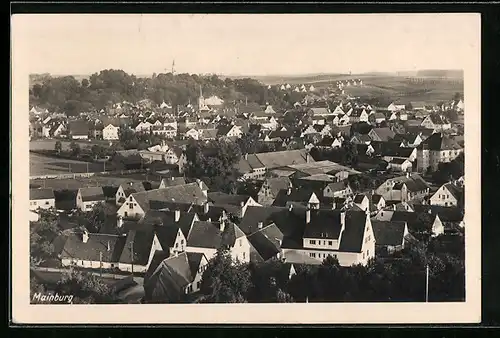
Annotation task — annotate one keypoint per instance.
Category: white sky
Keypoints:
(245, 44)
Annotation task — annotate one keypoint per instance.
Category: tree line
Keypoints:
(67, 94)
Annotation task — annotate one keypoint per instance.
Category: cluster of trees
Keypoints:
(214, 163)
(401, 277)
(85, 287)
(43, 234)
(346, 155)
(67, 94)
(131, 140)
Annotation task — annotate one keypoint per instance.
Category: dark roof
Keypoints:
(398, 160)
(208, 235)
(446, 214)
(142, 242)
(359, 198)
(254, 215)
(79, 127)
(220, 198)
(275, 184)
(323, 224)
(385, 134)
(299, 195)
(388, 233)
(157, 259)
(187, 193)
(75, 248)
(376, 198)
(267, 241)
(41, 194)
(92, 194)
(352, 237)
(133, 187)
(173, 181)
(455, 190)
(413, 220)
(438, 141)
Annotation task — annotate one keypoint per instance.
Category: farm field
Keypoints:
(44, 165)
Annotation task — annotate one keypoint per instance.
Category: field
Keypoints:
(49, 144)
(44, 165)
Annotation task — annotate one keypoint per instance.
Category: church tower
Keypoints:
(201, 101)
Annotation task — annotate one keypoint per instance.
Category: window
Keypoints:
(312, 241)
(330, 243)
(131, 206)
(363, 255)
(241, 242)
(46, 202)
(34, 203)
(244, 256)
(176, 245)
(182, 241)
(125, 214)
(198, 285)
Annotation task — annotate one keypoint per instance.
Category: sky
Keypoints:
(247, 44)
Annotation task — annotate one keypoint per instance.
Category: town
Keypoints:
(183, 188)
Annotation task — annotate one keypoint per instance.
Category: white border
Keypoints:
(328, 313)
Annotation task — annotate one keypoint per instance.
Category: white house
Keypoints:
(87, 198)
(42, 199)
(448, 195)
(110, 132)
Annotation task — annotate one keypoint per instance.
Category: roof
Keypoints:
(337, 186)
(75, 248)
(187, 193)
(385, 134)
(169, 279)
(438, 141)
(219, 198)
(41, 194)
(321, 167)
(172, 181)
(208, 235)
(275, 184)
(267, 241)
(92, 194)
(376, 198)
(142, 242)
(79, 127)
(398, 160)
(132, 187)
(446, 214)
(413, 183)
(455, 190)
(352, 237)
(254, 215)
(324, 224)
(389, 232)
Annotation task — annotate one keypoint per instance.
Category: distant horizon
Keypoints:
(258, 75)
(257, 45)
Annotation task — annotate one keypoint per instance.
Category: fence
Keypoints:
(75, 175)
(104, 274)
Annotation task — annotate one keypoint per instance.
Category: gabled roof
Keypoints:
(385, 134)
(254, 215)
(92, 194)
(187, 193)
(438, 141)
(275, 184)
(172, 181)
(455, 190)
(352, 237)
(388, 232)
(221, 198)
(208, 235)
(142, 240)
(324, 224)
(41, 194)
(133, 187)
(97, 244)
(267, 241)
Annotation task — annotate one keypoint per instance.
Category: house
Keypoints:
(391, 150)
(418, 105)
(92, 250)
(377, 117)
(345, 235)
(124, 191)
(320, 111)
(229, 131)
(139, 203)
(33, 216)
(338, 189)
(192, 133)
(87, 198)
(56, 130)
(420, 223)
(400, 164)
(410, 140)
(362, 202)
(381, 134)
(358, 115)
(42, 199)
(269, 110)
(338, 110)
(208, 237)
(437, 148)
(403, 188)
(110, 132)
(390, 236)
(173, 181)
(143, 126)
(270, 189)
(361, 139)
(79, 130)
(435, 122)
(448, 195)
(173, 155)
(175, 277)
(233, 204)
(395, 106)
(378, 201)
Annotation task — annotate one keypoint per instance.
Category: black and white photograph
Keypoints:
(179, 161)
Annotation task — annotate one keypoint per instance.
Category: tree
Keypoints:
(42, 234)
(75, 148)
(225, 281)
(350, 153)
(92, 220)
(86, 288)
(58, 146)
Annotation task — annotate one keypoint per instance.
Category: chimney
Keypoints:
(246, 156)
(85, 236)
(407, 174)
(222, 225)
(334, 205)
(260, 225)
(177, 215)
(109, 247)
(342, 218)
(119, 224)
(290, 207)
(308, 216)
(206, 208)
(242, 204)
(289, 191)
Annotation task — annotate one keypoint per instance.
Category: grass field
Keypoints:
(44, 165)
(49, 144)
